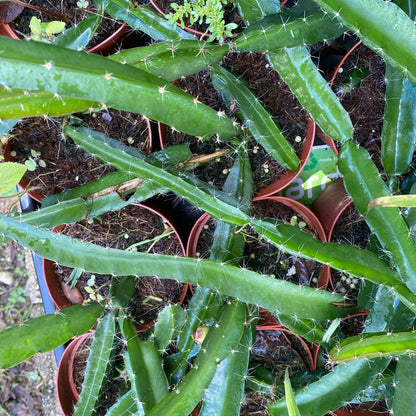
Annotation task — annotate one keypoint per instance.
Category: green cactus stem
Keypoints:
(290, 397)
(46, 332)
(18, 103)
(144, 367)
(222, 340)
(287, 238)
(229, 379)
(171, 60)
(334, 389)
(40, 66)
(126, 163)
(252, 11)
(250, 287)
(125, 406)
(399, 123)
(382, 26)
(404, 397)
(364, 184)
(88, 206)
(375, 344)
(77, 37)
(169, 325)
(273, 32)
(296, 68)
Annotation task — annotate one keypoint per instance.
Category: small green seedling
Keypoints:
(353, 81)
(294, 221)
(34, 160)
(203, 11)
(45, 32)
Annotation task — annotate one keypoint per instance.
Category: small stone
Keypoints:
(6, 277)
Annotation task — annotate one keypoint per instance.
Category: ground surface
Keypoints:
(28, 388)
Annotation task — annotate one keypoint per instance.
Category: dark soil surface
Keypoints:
(364, 103)
(275, 351)
(273, 93)
(60, 155)
(121, 230)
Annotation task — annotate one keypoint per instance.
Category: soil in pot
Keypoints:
(275, 96)
(58, 164)
(275, 351)
(123, 229)
(279, 101)
(264, 257)
(115, 386)
(215, 169)
(73, 14)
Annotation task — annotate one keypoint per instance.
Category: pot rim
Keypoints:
(311, 219)
(288, 177)
(53, 285)
(35, 194)
(104, 47)
(66, 391)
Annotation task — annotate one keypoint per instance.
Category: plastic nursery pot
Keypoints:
(268, 322)
(6, 30)
(330, 204)
(57, 289)
(288, 176)
(66, 385)
(72, 167)
(299, 209)
(109, 45)
(66, 390)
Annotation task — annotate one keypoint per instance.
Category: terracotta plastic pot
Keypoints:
(298, 208)
(38, 195)
(66, 391)
(330, 204)
(289, 176)
(54, 286)
(359, 412)
(106, 47)
(200, 35)
(326, 139)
